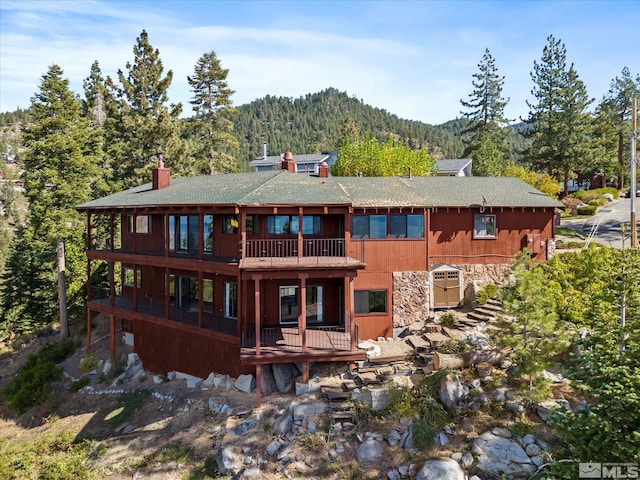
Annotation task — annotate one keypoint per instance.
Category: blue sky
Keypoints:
(413, 58)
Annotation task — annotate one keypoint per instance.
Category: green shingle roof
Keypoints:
(280, 187)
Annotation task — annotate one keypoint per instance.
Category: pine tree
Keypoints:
(61, 171)
(485, 137)
(145, 125)
(531, 325)
(214, 113)
(561, 127)
(616, 110)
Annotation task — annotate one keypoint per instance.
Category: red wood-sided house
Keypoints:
(225, 273)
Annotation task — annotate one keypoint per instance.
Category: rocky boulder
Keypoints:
(442, 469)
(500, 455)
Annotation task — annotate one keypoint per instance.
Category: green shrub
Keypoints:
(587, 210)
(88, 363)
(448, 319)
(78, 384)
(598, 202)
(32, 384)
(485, 293)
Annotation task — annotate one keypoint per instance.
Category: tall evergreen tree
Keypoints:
(616, 110)
(560, 126)
(485, 137)
(61, 171)
(145, 125)
(214, 113)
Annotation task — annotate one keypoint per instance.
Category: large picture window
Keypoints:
(184, 233)
(370, 301)
(484, 226)
(406, 226)
(369, 226)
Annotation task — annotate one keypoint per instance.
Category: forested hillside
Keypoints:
(312, 123)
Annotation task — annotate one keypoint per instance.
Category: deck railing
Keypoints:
(325, 337)
(316, 247)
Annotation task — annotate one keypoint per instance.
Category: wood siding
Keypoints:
(451, 237)
(188, 351)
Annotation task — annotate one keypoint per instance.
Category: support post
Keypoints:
(256, 280)
(258, 380)
(112, 336)
(302, 312)
(632, 186)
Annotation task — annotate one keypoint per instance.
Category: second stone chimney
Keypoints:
(160, 176)
(288, 162)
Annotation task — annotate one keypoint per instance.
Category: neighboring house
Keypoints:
(307, 163)
(456, 167)
(225, 273)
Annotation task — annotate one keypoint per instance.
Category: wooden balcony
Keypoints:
(321, 343)
(151, 308)
(304, 253)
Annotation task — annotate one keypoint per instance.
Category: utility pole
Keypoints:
(632, 187)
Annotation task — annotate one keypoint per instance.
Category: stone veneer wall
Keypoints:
(412, 290)
(483, 274)
(411, 297)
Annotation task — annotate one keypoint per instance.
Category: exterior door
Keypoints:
(289, 304)
(446, 288)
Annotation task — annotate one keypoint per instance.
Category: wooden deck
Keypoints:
(299, 263)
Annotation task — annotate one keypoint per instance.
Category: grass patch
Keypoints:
(48, 457)
(178, 452)
(128, 403)
(568, 232)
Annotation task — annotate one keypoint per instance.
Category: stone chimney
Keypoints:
(160, 176)
(288, 162)
(323, 169)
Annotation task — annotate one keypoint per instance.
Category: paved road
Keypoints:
(610, 218)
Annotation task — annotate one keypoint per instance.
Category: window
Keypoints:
(288, 225)
(142, 224)
(129, 277)
(207, 295)
(230, 300)
(208, 233)
(406, 226)
(313, 303)
(229, 224)
(183, 292)
(251, 224)
(370, 301)
(369, 226)
(484, 226)
(184, 233)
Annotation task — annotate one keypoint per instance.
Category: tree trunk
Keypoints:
(62, 292)
(460, 360)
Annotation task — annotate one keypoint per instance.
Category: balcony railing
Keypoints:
(317, 247)
(281, 338)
